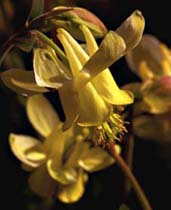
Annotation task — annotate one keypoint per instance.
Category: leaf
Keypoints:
(21, 81)
(36, 9)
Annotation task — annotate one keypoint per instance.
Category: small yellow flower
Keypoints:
(58, 163)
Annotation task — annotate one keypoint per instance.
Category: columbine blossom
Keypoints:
(86, 87)
(151, 61)
(59, 161)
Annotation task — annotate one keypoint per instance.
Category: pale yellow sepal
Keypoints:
(41, 114)
(27, 149)
(131, 30)
(73, 192)
(22, 82)
(96, 159)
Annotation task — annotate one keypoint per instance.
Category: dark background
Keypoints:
(104, 189)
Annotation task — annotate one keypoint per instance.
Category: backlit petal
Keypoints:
(108, 89)
(21, 81)
(27, 149)
(96, 159)
(73, 192)
(92, 110)
(70, 104)
(41, 114)
(110, 50)
(47, 72)
(131, 29)
(61, 174)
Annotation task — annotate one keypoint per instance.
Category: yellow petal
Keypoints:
(96, 159)
(54, 145)
(73, 192)
(47, 71)
(76, 47)
(41, 183)
(70, 104)
(93, 110)
(104, 82)
(108, 89)
(110, 50)
(22, 82)
(41, 114)
(90, 40)
(131, 29)
(135, 88)
(72, 57)
(75, 152)
(27, 149)
(61, 174)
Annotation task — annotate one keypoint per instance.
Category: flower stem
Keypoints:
(121, 163)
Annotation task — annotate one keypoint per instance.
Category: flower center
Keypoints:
(111, 130)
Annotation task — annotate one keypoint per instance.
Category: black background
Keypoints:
(104, 190)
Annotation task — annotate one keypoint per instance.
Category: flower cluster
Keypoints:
(151, 61)
(91, 100)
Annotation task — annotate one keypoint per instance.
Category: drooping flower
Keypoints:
(151, 61)
(86, 87)
(59, 162)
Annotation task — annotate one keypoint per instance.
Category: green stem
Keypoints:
(43, 37)
(121, 163)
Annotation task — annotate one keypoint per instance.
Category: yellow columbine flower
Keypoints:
(58, 163)
(86, 87)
